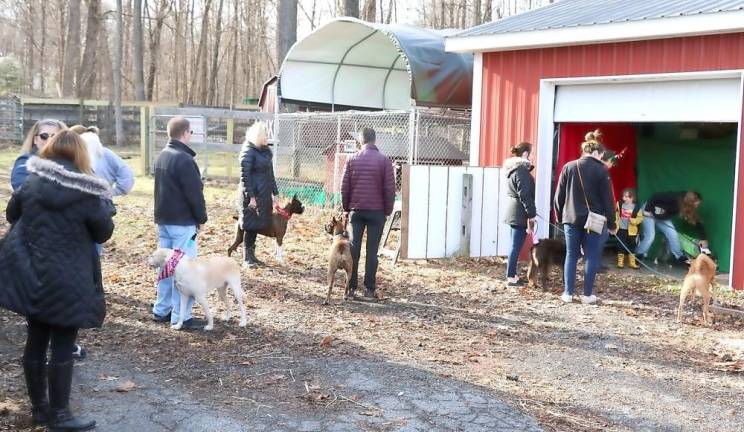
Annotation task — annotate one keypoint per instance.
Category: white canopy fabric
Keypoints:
(353, 63)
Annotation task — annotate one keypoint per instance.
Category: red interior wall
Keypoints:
(615, 136)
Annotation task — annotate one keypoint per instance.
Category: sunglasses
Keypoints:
(45, 136)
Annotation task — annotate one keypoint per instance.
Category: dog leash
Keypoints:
(627, 249)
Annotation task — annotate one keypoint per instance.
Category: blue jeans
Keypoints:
(374, 222)
(576, 238)
(648, 232)
(169, 300)
(518, 235)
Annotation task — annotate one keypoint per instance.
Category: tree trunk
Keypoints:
(139, 49)
(203, 65)
(477, 17)
(72, 48)
(286, 29)
(212, 96)
(87, 76)
(391, 6)
(163, 10)
(235, 52)
(351, 8)
(118, 59)
(370, 11)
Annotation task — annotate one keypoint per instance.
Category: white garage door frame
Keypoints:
(546, 128)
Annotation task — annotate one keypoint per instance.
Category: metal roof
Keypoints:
(580, 13)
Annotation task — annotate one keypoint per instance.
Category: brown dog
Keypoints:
(699, 279)
(277, 229)
(543, 255)
(339, 256)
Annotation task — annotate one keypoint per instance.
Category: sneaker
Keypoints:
(566, 298)
(193, 324)
(249, 265)
(514, 282)
(682, 261)
(161, 318)
(78, 353)
(592, 299)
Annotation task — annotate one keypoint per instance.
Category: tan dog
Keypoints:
(699, 279)
(339, 256)
(197, 277)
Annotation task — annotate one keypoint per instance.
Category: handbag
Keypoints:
(595, 222)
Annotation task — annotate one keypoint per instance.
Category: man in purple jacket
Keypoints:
(368, 192)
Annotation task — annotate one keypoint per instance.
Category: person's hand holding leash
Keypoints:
(252, 203)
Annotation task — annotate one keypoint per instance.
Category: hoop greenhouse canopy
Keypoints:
(353, 63)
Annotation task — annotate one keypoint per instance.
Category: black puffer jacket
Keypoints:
(256, 181)
(49, 267)
(520, 194)
(570, 204)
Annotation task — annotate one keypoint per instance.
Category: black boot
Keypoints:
(36, 382)
(61, 419)
(250, 257)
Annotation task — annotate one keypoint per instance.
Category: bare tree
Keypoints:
(351, 8)
(212, 96)
(154, 45)
(118, 71)
(87, 74)
(286, 29)
(72, 48)
(139, 54)
(370, 11)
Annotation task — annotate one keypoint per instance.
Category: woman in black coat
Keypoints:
(50, 269)
(520, 204)
(258, 188)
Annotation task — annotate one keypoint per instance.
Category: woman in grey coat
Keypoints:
(258, 188)
(520, 205)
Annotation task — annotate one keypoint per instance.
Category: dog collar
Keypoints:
(342, 234)
(170, 266)
(283, 213)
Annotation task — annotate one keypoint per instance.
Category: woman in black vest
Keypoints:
(51, 271)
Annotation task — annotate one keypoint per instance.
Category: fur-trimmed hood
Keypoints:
(515, 162)
(62, 174)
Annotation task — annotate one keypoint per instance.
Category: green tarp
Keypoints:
(672, 158)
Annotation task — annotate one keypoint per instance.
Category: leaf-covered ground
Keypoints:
(625, 364)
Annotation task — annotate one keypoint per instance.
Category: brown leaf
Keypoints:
(326, 342)
(126, 386)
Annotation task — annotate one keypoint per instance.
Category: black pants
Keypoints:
(249, 239)
(631, 241)
(40, 335)
(374, 222)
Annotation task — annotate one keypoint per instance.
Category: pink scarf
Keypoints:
(170, 266)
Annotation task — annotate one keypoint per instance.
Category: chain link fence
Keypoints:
(311, 149)
(11, 120)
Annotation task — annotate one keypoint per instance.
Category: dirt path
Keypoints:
(450, 339)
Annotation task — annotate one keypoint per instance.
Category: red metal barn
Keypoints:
(654, 73)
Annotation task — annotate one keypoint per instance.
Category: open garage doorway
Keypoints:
(668, 157)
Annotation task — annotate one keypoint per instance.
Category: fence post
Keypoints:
(466, 215)
(411, 134)
(144, 141)
(230, 139)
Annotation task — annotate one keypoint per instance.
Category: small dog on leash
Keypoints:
(277, 229)
(197, 277)
(699, 280)
(543, 255)
(339, 256)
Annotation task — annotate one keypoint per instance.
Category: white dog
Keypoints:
(197, 277)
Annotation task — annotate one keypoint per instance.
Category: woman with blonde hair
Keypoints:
(51, 272)
(257, 186)
(106, 164)
(36, 137)
(584, 187)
